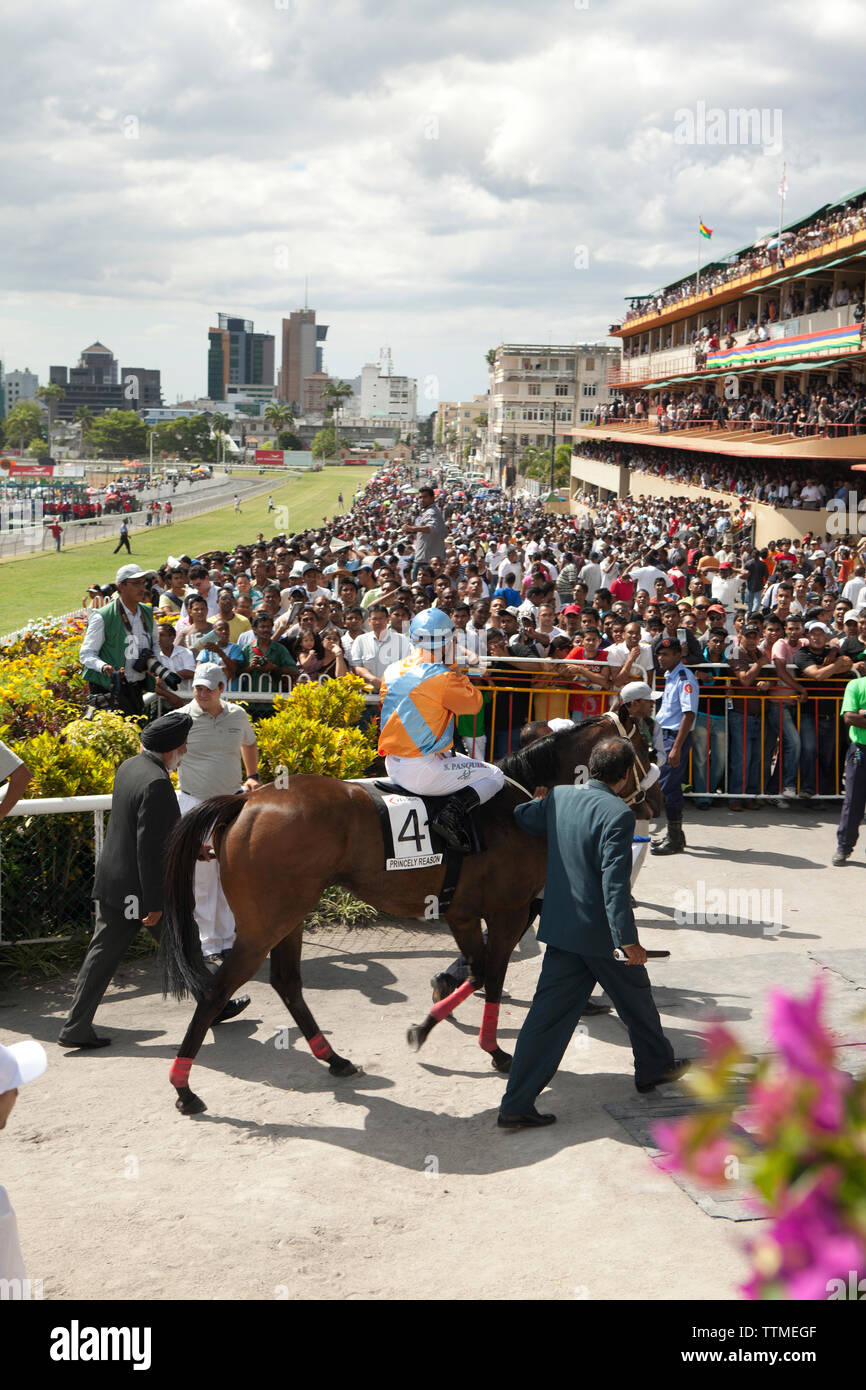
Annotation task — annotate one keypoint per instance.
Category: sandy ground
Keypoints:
(397, 1183)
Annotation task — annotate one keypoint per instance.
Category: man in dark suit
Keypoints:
(586, 916)
(129, 884)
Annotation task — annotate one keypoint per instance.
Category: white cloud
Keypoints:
(431, 171)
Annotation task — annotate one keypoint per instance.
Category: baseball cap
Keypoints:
(20, 1063)
(815, 623)
(639, 690)
(210, 675)
(715, 608)
(132, 572)
(572, 608)
(725, 565)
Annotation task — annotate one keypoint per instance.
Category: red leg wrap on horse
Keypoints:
(447, 1005)
(487, 1036)
(180, 1070)
(320, 1048)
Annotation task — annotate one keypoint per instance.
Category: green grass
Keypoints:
(37, 586)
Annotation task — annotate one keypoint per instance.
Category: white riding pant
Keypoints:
(441, 774)
(216, 923)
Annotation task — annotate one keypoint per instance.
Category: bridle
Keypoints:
(639, 768)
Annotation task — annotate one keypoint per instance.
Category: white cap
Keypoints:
(638, 690)
(20, 1063)
(210, 674)
(822, 626)
(132, 572)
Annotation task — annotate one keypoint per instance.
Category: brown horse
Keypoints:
(278, 850)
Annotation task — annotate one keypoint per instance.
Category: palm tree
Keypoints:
(490, 357)
(281, 417)
(84, 418)
(50, 394)
(220, 424)
(335, 394)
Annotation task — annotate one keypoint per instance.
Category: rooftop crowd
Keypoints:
(557, 614)
(826, 226)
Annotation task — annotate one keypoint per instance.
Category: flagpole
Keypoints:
(783, 188)
(698, 276)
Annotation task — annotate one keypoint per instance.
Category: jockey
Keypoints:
(420, 696)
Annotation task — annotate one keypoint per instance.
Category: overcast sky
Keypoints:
(436, 170)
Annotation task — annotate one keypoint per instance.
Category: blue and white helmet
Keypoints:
(431, 628)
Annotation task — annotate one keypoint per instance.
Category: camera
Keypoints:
(146, 661)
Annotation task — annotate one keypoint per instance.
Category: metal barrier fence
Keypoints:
(745, 744)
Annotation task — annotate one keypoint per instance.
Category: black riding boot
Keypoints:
(674, 842)
(451, 822)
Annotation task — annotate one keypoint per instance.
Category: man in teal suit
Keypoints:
(587, 915)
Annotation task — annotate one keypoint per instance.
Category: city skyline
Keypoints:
(444, 185)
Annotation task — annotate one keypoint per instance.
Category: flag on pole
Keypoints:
(783, 184)
(705, 231)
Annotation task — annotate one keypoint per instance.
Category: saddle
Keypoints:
(409, 834)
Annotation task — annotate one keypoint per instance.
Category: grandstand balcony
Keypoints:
(835, 334)
(752, 280)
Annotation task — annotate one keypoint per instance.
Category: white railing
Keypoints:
(54, 806)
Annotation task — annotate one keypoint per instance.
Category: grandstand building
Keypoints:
(761, 364)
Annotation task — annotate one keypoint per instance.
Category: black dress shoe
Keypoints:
(680, 1066)
(232, 1009)
(531, 1121)
(591, 1008)
(94, 1041)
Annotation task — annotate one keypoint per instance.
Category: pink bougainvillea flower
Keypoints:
(799, 1033)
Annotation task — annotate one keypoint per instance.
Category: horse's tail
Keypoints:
(183, 967)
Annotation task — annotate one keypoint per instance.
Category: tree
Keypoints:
(336, 393)
(280, 417)
(22, 425)
(50, 395)
(220, 424)
(118, 432)
(490, 357)
(189, 437)
(84, 418)
(286, 439)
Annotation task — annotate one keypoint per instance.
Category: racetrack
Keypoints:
(397, 1183)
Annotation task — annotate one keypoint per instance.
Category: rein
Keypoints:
(638, 793)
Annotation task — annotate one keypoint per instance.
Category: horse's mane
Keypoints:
(538, 764)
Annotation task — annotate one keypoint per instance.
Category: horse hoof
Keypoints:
(500, 1061)
(416, 1036)
(341, 1066)
(190, 1105)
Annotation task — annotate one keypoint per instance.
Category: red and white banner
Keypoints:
(273, 457)
(352, 459)
(31, 470)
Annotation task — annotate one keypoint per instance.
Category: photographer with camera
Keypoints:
(119, 644)
(177, 666)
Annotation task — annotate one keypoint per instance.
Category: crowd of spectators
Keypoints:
(788, 484)
(826, 226)
(555, 615)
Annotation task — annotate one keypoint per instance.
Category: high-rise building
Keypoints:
(386, 397)
(302, 355)
(94, 383)
(20, 386)
(238, 356)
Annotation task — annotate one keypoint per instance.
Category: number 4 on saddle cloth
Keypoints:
(410, 837)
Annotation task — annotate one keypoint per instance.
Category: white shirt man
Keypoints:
(853, 591)
(220, 739)
(590, 575)
(645, 576)
(378, 649)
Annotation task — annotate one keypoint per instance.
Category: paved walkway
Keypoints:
(397, 1183)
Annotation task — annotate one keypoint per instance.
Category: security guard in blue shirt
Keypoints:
(675, 718)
